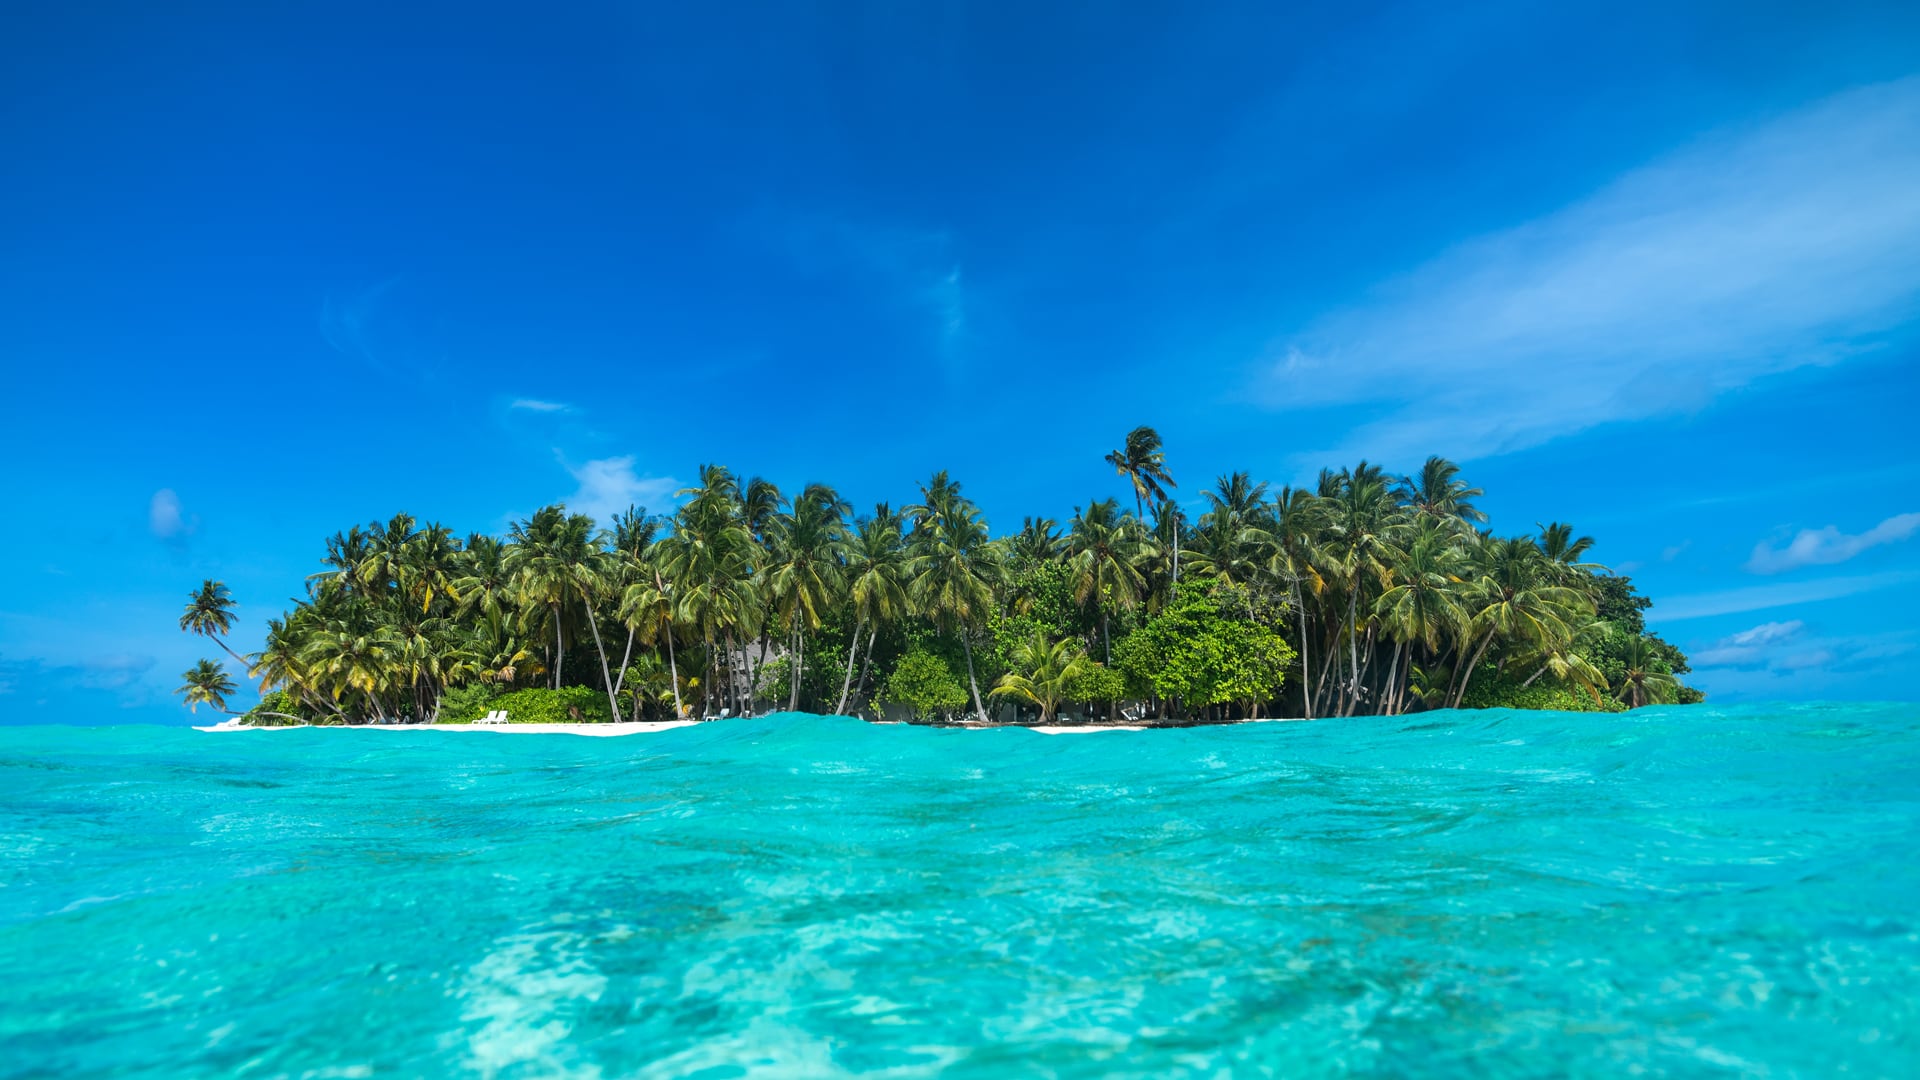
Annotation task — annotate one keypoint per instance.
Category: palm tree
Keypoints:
(555, 559)
(1144, 463)
(710, 560)
(1037, 542)
(1519, 602)
(1104, 549)
(1229, 544)
(647, 608)
(209, 613)
(1361, 535)
(1439, 492)
(1422, 606)
(632, 540)
(953, 568)
(1566, 551)
(429, 566)
(1046, 672)
(808, 546)
(877, 587)
(359, 660)
(1647, 682)
(207, 684)
(1294, 558)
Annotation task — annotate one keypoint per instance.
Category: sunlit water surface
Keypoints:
(1688, 892)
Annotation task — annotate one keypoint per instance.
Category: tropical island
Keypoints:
(1367, 594)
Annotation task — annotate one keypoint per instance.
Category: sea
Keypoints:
(1702, 891)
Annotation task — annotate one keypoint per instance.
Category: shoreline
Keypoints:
(630, 728)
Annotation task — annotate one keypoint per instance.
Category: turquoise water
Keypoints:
(1687, 892)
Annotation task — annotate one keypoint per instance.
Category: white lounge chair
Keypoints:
(724, 713)
(497, 716)
(1133, 715)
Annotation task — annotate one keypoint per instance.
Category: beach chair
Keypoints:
(497, 716)
(724, 713)
(1133, 715)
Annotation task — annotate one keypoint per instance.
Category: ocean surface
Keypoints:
(1674, 892)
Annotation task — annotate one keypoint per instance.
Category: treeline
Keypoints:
(1367, 593)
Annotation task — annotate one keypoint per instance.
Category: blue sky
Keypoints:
(266, 272)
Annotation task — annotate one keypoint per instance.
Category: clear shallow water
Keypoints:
(1698, 892)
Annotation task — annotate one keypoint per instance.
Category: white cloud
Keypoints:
(608, 486)
(1820, 547)
(534, 405)
(1748, 647)
(1762, 597)
(1751, 253)
(165, 517)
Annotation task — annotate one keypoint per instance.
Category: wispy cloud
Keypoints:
(165, 517)
(608, 486)
(919, 269)
(346, 323)
(1748, 647)
(535, 405)
(1791, 649)
(1754, 252)
(1763, 597)
(1820, 547)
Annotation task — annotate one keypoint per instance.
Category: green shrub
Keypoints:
(274, 709)
(1507, 693)
(1098, 684)
(924, 683)
(567, 705)
(465, 704)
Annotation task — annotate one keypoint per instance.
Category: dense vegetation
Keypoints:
(1366, 594)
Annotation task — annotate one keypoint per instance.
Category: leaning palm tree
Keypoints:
(647, 609)
(1044, 672)
(876, 587)
(1142, 461)
(207, 683)
(1422, 605)
(209, 613)
(1520, 603)
(1646, 682)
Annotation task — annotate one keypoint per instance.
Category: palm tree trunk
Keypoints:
(1360, 677)
(799, 643)
(1106, 637)
(559, 647)
(1461, 692)
(1306, 669)
(606, 678)
(241, 660)
(626, 658)
(1393, 670)
(1353, 644)
(846, 684)
(978, 708)
(1535, 675)
(733, 683)
(673, 672)
(866, 661)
